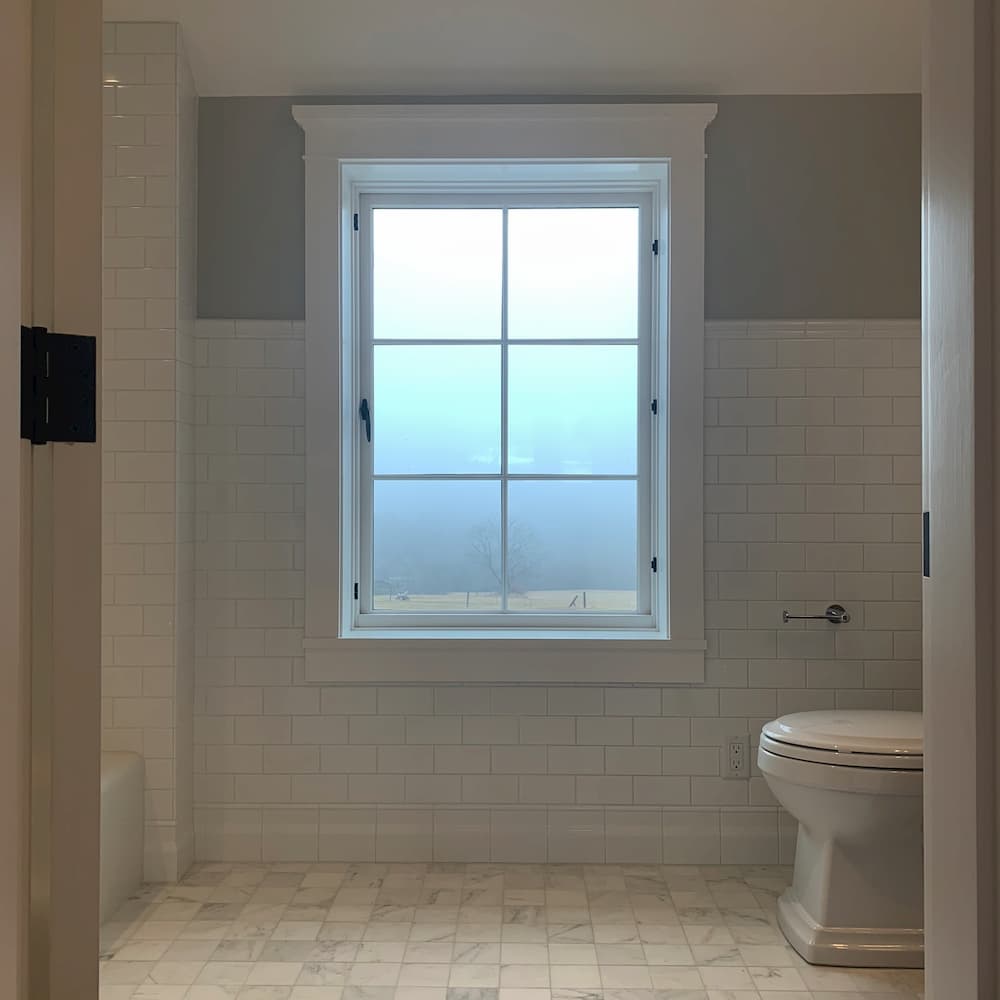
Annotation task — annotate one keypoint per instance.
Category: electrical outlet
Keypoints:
(736, 757)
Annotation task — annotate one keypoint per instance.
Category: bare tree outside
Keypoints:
(522, 553)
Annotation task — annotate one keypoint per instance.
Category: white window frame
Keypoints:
(354, 150)
(358, 616)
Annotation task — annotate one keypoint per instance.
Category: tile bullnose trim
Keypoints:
(485, 832)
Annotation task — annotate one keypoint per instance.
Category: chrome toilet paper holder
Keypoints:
(835, 614)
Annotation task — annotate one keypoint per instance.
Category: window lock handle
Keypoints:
(366, 416)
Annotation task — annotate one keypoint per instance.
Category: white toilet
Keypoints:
(854, 781)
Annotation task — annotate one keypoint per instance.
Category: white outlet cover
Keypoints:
(735, 757)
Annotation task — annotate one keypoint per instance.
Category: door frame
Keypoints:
(962, 493)
(50, 497)
(15, 295)
(67, 47)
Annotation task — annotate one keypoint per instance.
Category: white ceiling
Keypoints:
(543, 47)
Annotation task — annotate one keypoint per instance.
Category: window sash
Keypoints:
(650, 596)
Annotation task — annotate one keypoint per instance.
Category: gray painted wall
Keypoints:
(813, 208)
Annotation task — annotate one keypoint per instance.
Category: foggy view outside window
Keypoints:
(523, 504)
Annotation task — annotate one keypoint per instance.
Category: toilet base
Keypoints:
(878, 948)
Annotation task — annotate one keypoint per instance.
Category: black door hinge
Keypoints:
(926, 538)
(655, 407)
(656, 248)
(355, 592)
(653, 564)
(58, 386)
(356, 226)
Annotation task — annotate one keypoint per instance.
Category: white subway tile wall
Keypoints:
(812, 495)
(150, 110)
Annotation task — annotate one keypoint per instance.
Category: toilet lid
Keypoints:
(897, 734)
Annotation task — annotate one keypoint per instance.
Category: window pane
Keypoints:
(437, 273)
(573, 272)
(572, 546)
(437, 546)
(436, 410)
(572, 410)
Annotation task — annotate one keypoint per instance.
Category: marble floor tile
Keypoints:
(338, 931)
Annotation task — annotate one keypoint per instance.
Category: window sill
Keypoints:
(583, 660)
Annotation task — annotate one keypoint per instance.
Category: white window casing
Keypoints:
(656, 150)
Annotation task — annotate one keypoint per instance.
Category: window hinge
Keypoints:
(58, 386)
(656, 248)
(355, 592)
(655, 407)
(356, 226)
(653, 564)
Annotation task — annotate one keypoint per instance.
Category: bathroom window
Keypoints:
(503, 398)
(507, 417)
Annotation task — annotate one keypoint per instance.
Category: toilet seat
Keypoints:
(857, 739)
(839, 758)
